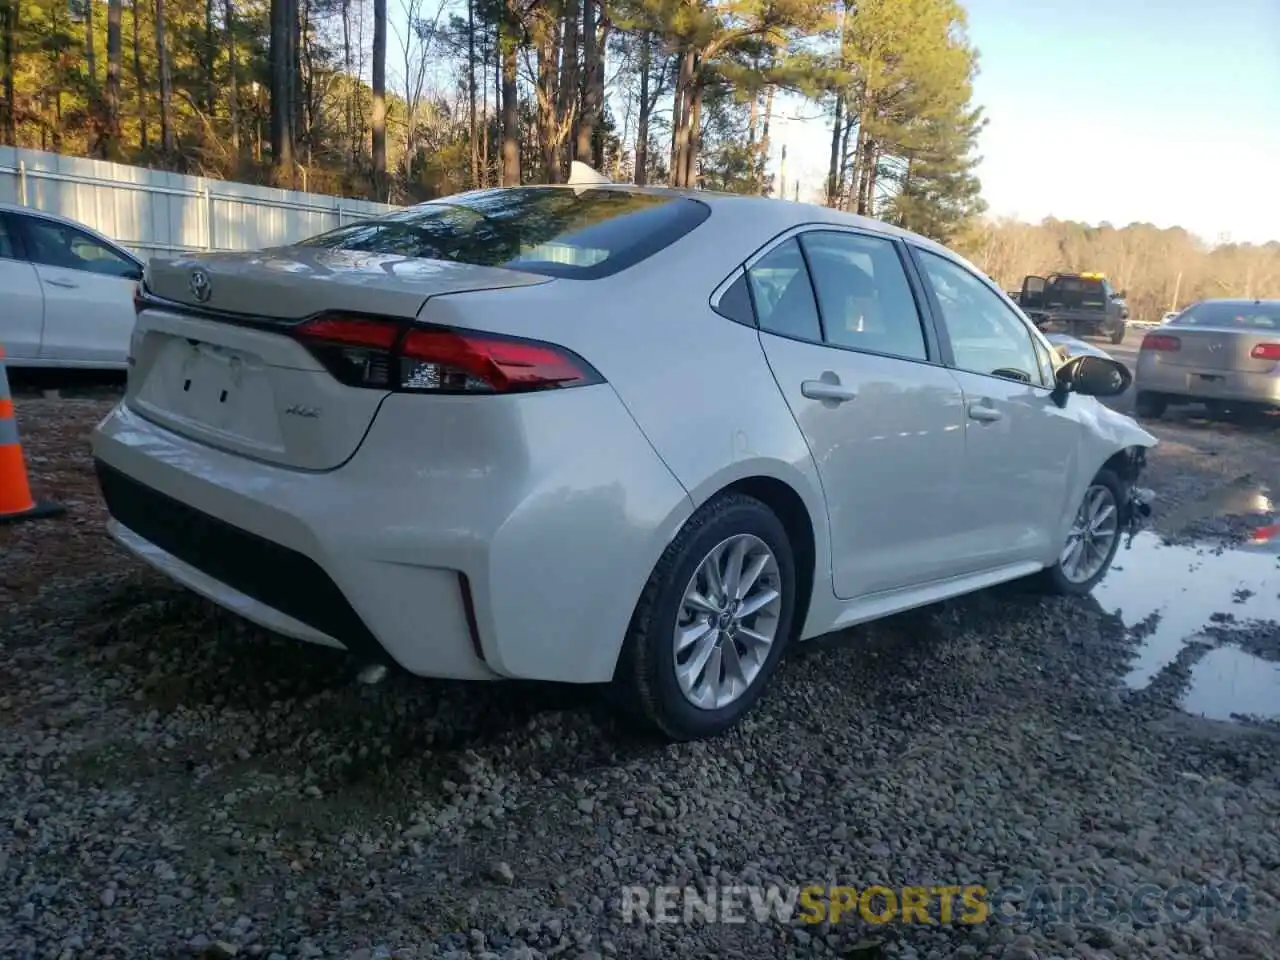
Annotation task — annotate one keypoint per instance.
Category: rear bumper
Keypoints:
(1192, 384)
(423, 551)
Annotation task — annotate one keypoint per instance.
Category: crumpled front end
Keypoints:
(1135, 509)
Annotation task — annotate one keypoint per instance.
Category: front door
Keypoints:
(1021, 448)
(88, 294)
(842, 334)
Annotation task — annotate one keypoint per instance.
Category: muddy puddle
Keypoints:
(1207, 618)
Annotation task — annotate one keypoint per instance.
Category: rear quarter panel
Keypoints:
(696, 383)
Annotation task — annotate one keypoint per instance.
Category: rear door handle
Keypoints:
(980, 411)
(826, 390)
(69, 284)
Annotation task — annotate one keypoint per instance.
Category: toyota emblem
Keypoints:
(200, 285)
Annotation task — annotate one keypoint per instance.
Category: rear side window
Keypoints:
(863, 294)
(783, 295)
(1243, 316)
(560, 232)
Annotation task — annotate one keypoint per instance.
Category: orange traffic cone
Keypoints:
(15, 491)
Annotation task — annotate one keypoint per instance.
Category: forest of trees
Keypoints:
(1159, 270)
(467, 93)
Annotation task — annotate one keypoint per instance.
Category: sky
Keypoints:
(1162, 111)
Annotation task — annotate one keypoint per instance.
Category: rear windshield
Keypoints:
(1079, 286)
(1245, 316)
(557, 231)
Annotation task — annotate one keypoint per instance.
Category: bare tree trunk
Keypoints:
(9, 47)
(472, 140)
(210, 82)
(166, 83)
(567, 113)
(764, 137)
(380, 98)
(842, 175)
(233, 66)
(484, 108)
(111, 132)
(90, 51)
(587, 117)
(349, 106)
(642, 122)
(833, 168)
(693, 141)
(681, 111)
(510, 103)
(139, 80)
(284, 26)
(548, 95)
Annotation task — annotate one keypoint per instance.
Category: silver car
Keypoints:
(1222, 353)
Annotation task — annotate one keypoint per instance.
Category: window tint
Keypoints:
(560, 232)
(783, 294)
(57, 245)
(863, 294)
(8, 249)
(986, 336)
(735, 302)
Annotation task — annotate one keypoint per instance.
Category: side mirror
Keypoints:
(1091, 376)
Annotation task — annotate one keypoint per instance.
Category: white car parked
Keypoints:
(606, 434)
(67, 292)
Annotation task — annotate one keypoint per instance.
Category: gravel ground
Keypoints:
(174, 782)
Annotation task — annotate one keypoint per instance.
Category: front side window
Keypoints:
(863, 294)
(556, 231)
(986, 336)
(783, 295)
(58, 245)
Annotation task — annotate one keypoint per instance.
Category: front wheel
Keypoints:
(712, 622)
(1092, 541)
(1117, 335)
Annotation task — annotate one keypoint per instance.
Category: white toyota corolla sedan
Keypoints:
(606, 433)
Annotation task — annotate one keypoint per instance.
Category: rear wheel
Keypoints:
(1150, 405)
(1092, 541)
(712, 622)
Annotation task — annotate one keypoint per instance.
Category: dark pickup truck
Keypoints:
(1082, 304)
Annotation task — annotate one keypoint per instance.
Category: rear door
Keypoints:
(22, 316)
(88, 294)
(1020, 447)
(882, 417)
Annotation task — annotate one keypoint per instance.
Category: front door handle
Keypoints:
(827, 390)
(980, 411)
(69, 284)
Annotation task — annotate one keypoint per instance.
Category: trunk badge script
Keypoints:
(298, 410)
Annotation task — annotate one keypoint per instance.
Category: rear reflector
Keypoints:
(1161, 342)
(1266, 351)
(394, 355)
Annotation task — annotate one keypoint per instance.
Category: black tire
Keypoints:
(1053, 580)
(1117, 335)
(1149, 406)
(645, 681)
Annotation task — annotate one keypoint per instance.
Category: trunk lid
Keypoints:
(217, 362)
(1218, 348)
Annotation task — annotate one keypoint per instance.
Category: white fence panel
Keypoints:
(156, 213)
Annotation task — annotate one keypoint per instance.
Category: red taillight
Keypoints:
(394, 355)
(1266, 351)
(1161, 342)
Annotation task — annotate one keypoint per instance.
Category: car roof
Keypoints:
(768, 216)
(1243, 301)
